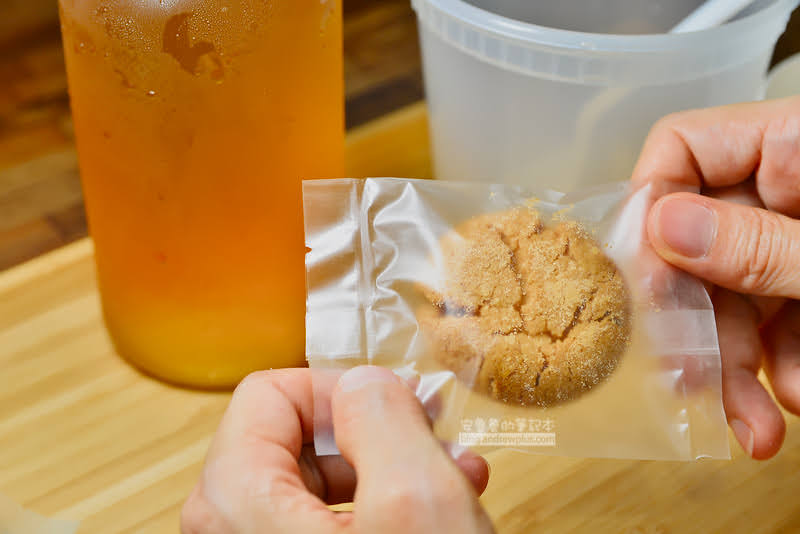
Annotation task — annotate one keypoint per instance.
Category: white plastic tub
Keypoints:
(512, 101)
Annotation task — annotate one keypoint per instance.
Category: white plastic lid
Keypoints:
(602, 59)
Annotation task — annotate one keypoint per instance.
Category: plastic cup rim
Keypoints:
(524, 32)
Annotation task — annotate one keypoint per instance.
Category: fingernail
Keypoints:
(743, 435)
(359, 377)
(688, 228)
(454, 450)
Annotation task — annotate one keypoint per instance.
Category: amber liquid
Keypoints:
(196, 122)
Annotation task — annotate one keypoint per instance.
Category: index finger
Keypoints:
(723, 146)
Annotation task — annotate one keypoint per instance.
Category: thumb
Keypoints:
(383, 432)
(745, 249)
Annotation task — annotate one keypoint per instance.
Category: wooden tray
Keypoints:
(83, 436)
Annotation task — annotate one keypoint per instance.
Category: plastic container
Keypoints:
(517, 102)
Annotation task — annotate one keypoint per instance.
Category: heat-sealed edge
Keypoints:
(334, 311)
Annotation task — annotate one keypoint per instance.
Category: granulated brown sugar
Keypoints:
(530, 313)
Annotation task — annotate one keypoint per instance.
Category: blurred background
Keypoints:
(382, 73)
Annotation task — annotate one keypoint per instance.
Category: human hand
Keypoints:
(261, 474)
(740, 233)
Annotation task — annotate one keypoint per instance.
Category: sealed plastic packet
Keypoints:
(538, 321)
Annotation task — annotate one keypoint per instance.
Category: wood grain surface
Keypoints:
(84, 436)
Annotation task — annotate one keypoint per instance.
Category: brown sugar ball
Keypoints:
(531, 314)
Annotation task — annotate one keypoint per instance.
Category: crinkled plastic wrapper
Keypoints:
(532, 320)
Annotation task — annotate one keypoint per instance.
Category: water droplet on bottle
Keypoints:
(151, 93)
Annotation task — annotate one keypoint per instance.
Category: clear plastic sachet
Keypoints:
(534, 320)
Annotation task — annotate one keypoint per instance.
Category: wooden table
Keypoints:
(83, 436)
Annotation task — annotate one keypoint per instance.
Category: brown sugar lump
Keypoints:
(529, 313)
